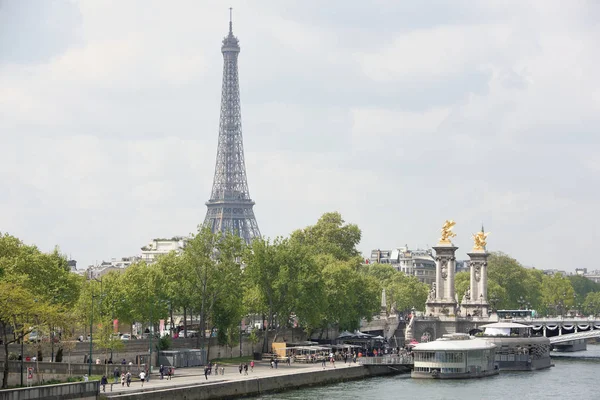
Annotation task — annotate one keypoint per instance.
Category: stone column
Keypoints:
(438, 281)
(478, 303)
(484, 281)
(445, 270)
(472, 283)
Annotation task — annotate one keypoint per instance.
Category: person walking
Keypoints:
(206, 372)
(117, 375)
(323, 361)
(169, 373)
(103, 382)
(128, 378)
(252, 366)
(245, 369)
(123, 379)
(161, 370)
(142, 377)
(240, 368)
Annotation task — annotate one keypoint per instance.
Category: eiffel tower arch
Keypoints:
(230, 208)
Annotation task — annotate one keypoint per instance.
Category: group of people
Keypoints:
(244, 367)
(165, 370)
(124, 377)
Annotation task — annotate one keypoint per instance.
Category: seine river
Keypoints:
(575, 377)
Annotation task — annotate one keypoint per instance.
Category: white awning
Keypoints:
(497, 331)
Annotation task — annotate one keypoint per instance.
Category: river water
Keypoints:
(574, 376)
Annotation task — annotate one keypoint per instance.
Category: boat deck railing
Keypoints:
(387, 360)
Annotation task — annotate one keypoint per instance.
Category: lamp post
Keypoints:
(151, 334)
(91, 337)
(22, 354)
(92, 323)
(521, 302)
(493, 300)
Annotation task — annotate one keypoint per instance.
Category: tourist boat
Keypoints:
(454, 356)
(516, 349)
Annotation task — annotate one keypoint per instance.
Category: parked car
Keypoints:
(33, 337)
(190, 334)
(126, 336)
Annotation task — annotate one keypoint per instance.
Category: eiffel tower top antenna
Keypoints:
(230, 20)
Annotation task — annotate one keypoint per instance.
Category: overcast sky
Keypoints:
(398, 114)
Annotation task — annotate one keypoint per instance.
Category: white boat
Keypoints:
(454, 356)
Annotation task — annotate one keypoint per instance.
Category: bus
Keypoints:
(510, 314)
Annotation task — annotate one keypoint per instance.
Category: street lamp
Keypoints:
(92, 324)
(22, 355)
(493, 301)
(521, 302)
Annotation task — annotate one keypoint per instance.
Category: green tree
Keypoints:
(462, 281)
(36, 289)
(105, 339)
(405, 292)
(513, 277)
(330, 235)
(263, 260)
(591, 303)
(143, 287)
(179, 277)
(557, 293)
(351, 294)
(227, 298)
(582, 286)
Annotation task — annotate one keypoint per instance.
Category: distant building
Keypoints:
(554, 271)
(419, 262)
(593, 276)
(73, 265)
(581, 271)
(118, 265)
(380, 256)
(462, 266)
(162, 246)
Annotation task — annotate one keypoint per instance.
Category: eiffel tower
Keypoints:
(230, 206)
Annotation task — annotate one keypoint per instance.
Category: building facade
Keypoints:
(419, 263)
(159, 247)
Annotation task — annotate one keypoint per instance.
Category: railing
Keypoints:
(386, 360)
(574, 336)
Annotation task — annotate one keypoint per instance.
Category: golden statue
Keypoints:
(447, 231)
(480, 241)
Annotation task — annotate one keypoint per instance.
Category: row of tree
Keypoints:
(37, 292)
(314, 279)
(512, 286)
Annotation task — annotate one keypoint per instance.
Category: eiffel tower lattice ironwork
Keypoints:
(230, 205)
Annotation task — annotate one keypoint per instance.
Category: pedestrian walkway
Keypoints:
(185, 377)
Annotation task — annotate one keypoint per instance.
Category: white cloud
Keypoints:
(477, 112)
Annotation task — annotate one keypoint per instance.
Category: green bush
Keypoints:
(164, 343)
(12, 356)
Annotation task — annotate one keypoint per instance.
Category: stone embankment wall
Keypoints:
(79, 390)
(61, 371)
(252, 387)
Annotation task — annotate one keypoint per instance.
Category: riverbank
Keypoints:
(190, 383)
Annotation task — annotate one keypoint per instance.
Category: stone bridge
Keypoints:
(560, 330)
